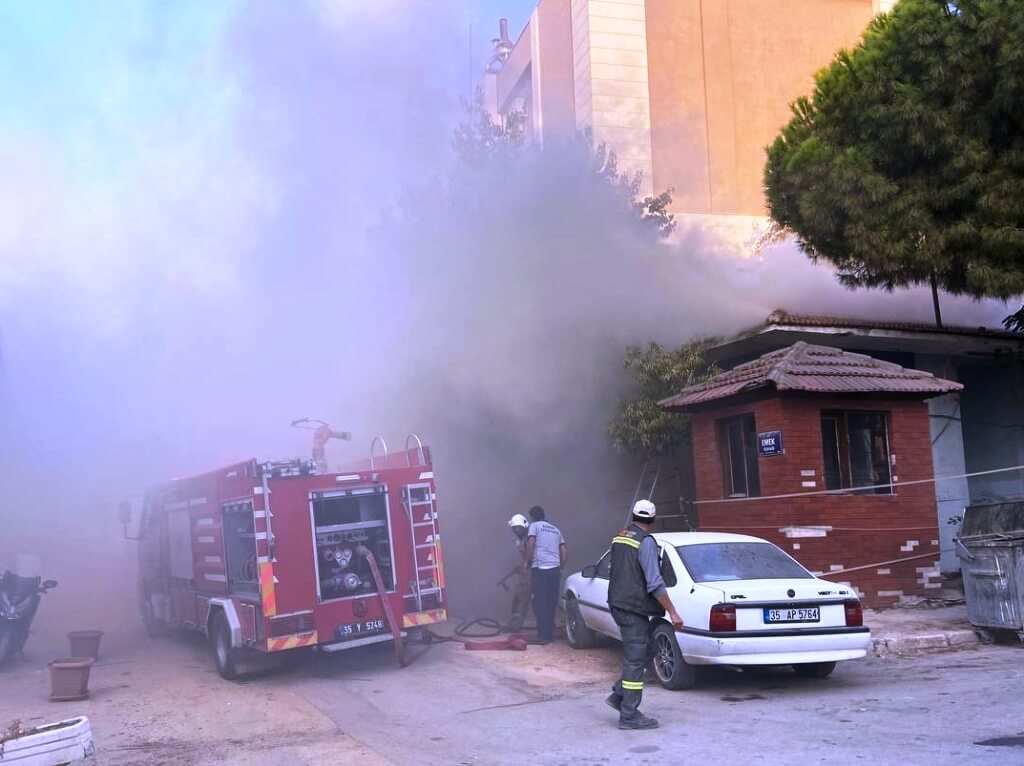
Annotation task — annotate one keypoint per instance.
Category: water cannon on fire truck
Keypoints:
(267, 557)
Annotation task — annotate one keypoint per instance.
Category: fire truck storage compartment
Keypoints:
(345, 524)
(240, 547)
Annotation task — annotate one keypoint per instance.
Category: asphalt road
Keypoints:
(161, 703)
(546, 707)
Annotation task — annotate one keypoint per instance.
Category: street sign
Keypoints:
(769, 443)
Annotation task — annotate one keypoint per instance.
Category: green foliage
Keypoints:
(479, 139)
(1015, 321)
(907, 164)
(641, 427)
(483, 144)
(653, 211)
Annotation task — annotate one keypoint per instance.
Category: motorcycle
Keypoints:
(19, 600)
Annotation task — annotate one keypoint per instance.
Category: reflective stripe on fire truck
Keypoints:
(439, 562)
(267, 590)
(291, 642)
(424, 618)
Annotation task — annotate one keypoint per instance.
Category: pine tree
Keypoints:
(906, 166)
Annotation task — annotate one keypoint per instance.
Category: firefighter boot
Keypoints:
(638, 721)
(614, 701)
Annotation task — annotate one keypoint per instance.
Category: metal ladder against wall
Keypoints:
(645, 486)
(422, 513)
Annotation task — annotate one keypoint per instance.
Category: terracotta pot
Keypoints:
(85, 643)
(69, 679)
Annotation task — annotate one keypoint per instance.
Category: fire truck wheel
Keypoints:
(224, 654)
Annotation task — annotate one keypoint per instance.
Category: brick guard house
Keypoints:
(846, 427)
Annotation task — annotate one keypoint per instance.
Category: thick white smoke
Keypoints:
(250, 265)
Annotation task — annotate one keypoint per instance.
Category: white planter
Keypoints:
(52, 744)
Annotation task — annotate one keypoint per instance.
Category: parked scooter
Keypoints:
(19, 600)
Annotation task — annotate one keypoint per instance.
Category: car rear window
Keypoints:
(717, 562)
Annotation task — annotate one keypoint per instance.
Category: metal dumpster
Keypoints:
(991, 548)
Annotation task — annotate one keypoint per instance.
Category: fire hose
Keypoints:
(396, 630)
(480, 633)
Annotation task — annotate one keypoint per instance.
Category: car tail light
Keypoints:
(723, 618)
(854, 614)
(291, 624)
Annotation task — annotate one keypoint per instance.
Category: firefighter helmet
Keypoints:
(518, 521)
(644, 509)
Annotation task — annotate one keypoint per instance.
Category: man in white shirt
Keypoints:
(545, 556)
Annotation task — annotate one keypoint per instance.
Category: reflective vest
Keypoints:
(627, 587)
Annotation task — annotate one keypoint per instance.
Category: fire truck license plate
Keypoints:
(807, 614)
(364, 628)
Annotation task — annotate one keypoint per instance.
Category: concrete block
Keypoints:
(920, 643)
(962, 637)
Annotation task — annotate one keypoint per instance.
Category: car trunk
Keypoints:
(799, 603)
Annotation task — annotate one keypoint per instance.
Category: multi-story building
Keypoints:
(690, 92)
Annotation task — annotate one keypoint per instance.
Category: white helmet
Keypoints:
(643, 509)
(518, 521)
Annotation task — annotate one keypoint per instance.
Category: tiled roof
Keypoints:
(817, 369)
(783, 317)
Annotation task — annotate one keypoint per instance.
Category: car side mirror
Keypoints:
(590, 572)
(48, 584)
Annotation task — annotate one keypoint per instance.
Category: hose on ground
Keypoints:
(481, 627)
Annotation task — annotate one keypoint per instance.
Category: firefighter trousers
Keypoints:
(520, 601)
(636, 651)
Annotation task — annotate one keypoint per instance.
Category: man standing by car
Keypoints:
(545, 557)
(636, 593)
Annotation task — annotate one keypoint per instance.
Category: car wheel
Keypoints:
(668, 664)
(224, 654)
(578, 633)
(814, 669)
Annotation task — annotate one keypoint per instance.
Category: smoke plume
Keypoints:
(184, 273)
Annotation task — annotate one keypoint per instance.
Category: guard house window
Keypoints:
(856, 451)
(737, 439)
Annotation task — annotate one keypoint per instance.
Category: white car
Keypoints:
(743, 600)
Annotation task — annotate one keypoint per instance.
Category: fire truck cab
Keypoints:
(276, 556)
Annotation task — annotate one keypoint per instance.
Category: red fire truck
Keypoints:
(275, 556)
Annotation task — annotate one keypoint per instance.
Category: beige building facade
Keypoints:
(689, 92)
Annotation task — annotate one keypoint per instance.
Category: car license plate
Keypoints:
(802, 614)
(359, 629)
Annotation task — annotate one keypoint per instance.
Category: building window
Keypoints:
(856, 450)
(737, 439)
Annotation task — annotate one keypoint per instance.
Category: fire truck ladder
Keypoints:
(421, 507)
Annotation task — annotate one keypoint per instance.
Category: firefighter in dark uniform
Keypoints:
(636, 593)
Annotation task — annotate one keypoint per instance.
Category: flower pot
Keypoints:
(48, 745)
(85, 643)
(69, 679)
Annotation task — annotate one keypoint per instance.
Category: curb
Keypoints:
(924, 642)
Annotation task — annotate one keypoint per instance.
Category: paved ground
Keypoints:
(927, 626)
(161, 703)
